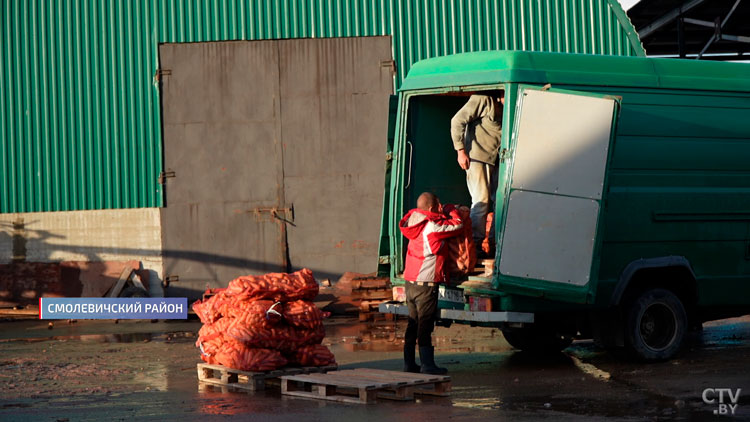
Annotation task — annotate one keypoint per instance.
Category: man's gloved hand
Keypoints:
(451, 210)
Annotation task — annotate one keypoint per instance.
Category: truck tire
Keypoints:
(536, 340)
(655, 326)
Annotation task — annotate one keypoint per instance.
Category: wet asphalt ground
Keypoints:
(137, 370)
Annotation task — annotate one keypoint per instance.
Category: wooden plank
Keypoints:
(324, 392)
(204, 373)
(222, 376)
(124, 276)
(441, 389)
(368, 383)
(329, 379)
(441, 384)
(334, 397)
(252, 385)
(403, 393)
(376, 378)
(372, 295)
(271, 374)
(406, 375)
(368, 283)
(352, 380)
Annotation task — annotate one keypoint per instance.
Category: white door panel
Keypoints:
(562, 144)
(549, 237)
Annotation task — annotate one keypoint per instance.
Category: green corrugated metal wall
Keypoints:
(79, 109)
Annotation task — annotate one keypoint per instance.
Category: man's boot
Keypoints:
(427, 358)
(410, 360)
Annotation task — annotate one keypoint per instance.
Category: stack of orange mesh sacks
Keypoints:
(262, 323)
(462, 255)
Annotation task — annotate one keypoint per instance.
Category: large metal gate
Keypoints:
(273, 157)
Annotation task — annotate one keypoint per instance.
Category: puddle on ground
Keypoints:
(155, 374)
(389, 337)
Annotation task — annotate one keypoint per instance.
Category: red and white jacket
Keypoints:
(426, 232)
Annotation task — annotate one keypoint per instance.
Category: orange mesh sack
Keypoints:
(461, 258)
(314, 355)
(275, 286)
(211, 309)
(278, 338)
(303, 314)
(258, 313)
(236, 355)
(257, 320)
(487, 242)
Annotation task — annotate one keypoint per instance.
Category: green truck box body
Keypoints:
(677, 176)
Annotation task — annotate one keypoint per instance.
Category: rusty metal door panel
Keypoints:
(334, 108)
(221, 140)
(236, 203)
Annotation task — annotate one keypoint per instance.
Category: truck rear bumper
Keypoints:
(399, 308)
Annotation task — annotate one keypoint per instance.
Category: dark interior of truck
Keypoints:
(430, 156)
(430, 153)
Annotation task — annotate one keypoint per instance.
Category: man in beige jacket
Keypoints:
(476, 132)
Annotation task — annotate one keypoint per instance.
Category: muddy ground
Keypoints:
(137, 370)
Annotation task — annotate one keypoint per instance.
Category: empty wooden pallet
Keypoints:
(228, 378)
(364, 385)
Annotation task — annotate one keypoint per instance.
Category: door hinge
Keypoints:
(504, 154)
(164, 175)
(388, 156)
(169, 279)
(285, 215)
(160, 73)
(389, 64)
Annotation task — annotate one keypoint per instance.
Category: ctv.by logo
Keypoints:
(726, 398)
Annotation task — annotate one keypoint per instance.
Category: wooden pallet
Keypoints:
(234, 379)
(364, 283)
(372, 294)
(368, 311)
(364, 385)
(375, 316)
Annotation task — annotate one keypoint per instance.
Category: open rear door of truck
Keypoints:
(549, 240)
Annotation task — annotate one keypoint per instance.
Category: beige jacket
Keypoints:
(477, 128)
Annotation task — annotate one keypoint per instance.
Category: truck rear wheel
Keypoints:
(537, 340)
(656, 325)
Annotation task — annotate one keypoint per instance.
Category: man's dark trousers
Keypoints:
(422, 302)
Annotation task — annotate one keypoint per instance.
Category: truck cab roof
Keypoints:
(491, 67)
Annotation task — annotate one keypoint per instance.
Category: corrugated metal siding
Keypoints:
(79, 115)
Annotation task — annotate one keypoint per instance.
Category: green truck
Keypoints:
(623, 202)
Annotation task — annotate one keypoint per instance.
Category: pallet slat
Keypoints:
(406, 375)
(363, 385)
(222, 376)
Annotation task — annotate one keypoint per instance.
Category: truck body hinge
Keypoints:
(389, 64)
(161, 73)
(169, 279)
(164, 175)
(504, 153)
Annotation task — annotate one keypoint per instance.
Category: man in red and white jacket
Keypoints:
(426, 227)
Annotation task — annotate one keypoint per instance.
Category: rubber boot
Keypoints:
(410, 360)
(427, 358)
